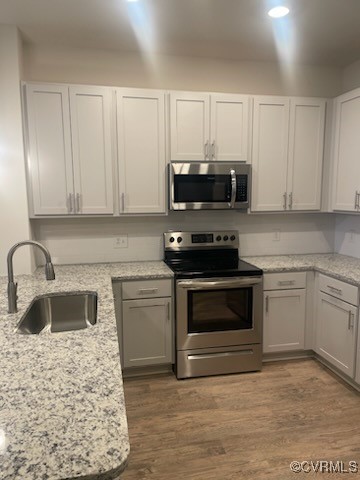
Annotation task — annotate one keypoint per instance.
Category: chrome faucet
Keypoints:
(12, 286)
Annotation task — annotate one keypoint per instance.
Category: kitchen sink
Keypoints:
(59, 312)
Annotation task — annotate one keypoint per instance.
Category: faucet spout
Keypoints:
(12, 286)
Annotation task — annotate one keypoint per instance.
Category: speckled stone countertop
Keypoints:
(338, 266)
(62, 410)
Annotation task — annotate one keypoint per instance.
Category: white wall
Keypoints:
(351, 77)
(92, 240)
(50, 64)
(13, 201)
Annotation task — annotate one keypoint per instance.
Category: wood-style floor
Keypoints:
(248, 426)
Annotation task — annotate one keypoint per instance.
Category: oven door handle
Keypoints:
(233, 188)
(225, 283)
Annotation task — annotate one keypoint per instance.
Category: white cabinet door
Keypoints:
(270, 153)
(141, 150)
(189, 126)
(346, 177)
(284, 320)
(147, 337)
(306, 142)
(357, 370)
(336, 332)
(229, 127)
(49, 149)
(90, 109)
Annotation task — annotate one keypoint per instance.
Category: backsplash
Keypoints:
(347, 235)
(93, 240)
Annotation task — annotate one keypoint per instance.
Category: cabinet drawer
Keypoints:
(146, 289)
(338, 289)
(284, 281)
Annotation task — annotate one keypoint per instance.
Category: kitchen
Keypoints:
(50, 51)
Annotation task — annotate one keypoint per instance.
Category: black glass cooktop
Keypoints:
(209, 264)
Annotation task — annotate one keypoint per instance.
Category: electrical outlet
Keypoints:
(277, 234)
(121, 241)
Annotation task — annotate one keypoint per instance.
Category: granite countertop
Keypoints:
(62, 411)
(342, 267)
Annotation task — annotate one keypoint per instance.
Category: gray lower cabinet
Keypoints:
(284, 312)
(147, 332)
(144, 317)
(336, 328)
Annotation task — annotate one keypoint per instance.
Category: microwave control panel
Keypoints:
(241, 188)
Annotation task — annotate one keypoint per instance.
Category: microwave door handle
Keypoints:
(233, 188)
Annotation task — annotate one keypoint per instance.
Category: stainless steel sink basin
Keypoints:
(59, 313)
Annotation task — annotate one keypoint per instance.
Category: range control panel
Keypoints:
(197, 240)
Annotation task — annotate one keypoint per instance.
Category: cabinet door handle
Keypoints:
(357, 200)
(351, 320)
(78, 203)
(267, 303)
(213, 150)
(144, 291)
(168, 311)
(70, 203)
(290, 200)
(284, 204)
(123, 202)
(206, 149)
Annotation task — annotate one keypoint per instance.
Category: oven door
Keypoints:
(216, 312)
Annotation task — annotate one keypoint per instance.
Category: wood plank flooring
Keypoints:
(248, 426)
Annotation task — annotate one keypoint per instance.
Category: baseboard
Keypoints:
(279, 356)
(150, 370)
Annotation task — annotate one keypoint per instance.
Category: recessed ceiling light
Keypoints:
(131, 1)
(278, 12)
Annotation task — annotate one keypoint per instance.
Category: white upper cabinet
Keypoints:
(206, 127)
(90, 109)
(229, 127)
(288, 139)
(346, 153)
(70, 154)
(306, 147)
(49, 149)
(189, 126)
(270, 153)
(141, 150)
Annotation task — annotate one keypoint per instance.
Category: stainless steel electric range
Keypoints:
(219, 306)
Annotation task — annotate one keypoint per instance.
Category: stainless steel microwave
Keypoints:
(209, 186)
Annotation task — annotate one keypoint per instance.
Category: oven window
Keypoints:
(220, 310)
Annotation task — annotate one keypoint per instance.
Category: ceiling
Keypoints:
(323, 32)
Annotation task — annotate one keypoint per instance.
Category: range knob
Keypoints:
(179, 239)
(226, 238)
(232, 238)
(218, 238)
(172, 239)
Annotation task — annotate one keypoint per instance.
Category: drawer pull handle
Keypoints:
(286, 282)
(202, 356)
(145, 291)
(334, 289)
